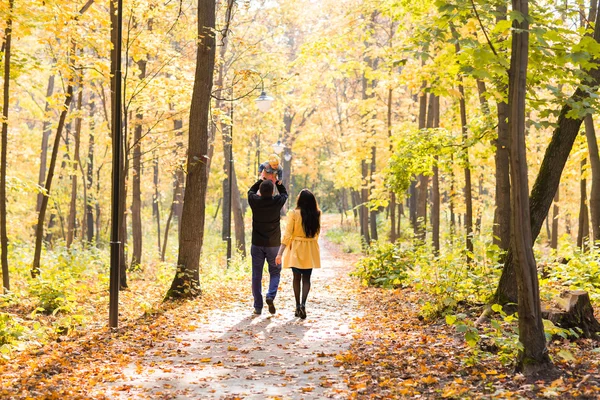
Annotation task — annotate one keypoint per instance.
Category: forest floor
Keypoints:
(357, 342)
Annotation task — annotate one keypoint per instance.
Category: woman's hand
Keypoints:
(278, 259)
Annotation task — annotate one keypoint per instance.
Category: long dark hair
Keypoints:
(309, 210)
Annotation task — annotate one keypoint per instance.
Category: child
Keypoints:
(271, 169)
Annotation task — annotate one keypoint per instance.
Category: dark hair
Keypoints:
(266, 188)
(309, 210)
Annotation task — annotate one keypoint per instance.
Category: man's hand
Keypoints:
(278, 260)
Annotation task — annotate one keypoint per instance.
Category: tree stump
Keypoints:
(575, 312)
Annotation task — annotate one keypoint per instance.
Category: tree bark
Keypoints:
(501, 227)
(590, 134)
(467, 169)
(179, 182)
(186, 282)
(548, 179)
(46, 130)
(534, 354)
(555, 211)
(373, 213)
(392, 207)
(435, 182)
(364, 200)
(89, 203)
(501, 230)
(136, 189)
(72, 218)
(238, 217)
(39, 232)
(4, 152)
(355, 200)
(227, 196)
(422, 180)
(156, 200)
(583, 232)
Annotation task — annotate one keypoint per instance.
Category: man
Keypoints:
(266, 238)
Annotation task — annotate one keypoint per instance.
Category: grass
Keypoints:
(346, 236)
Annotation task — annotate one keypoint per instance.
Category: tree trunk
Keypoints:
(136, 178)
(548, 179)
(451, 200)
(238, 217)
(392, 207)
(89, 204)
(156, 201)
(4, 152)
(583, 233)
(72, 218)
(422, 180)
(46, 130)
(355, 200)
(501, 227)
(412, 205)
(555, 211)
(39, 232)
(534, 355)
(186, 282)
(501, 230)
(227, 165)
(590, 134)
(167, 227)
(123, 207)
(179, 182)
(435, 184)
(364, 200)
(373, 213)
(467, 170)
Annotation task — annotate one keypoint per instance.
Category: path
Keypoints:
(233, 354)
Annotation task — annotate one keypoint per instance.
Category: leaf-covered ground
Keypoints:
(396, 354)
(356, 343)
(227, 352)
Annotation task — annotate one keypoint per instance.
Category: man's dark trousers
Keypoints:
(259, 255)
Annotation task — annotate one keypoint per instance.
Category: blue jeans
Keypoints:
(259, 255)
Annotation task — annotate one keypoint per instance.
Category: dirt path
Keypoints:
(233, 354)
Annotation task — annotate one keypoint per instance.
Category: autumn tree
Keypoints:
(186, 282)
(6, 47)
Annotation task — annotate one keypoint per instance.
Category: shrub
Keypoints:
(385, 265)
(10, 329)
(52, 295)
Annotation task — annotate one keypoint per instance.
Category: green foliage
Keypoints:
(10, 329)
(385, 265)
(53, 295)
(580, 272)
(415, 155)
(551, 331)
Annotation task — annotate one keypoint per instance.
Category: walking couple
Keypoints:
(299, 249)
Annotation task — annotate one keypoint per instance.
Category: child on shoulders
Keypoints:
(271, 169)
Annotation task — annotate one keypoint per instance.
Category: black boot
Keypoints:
(302, 312)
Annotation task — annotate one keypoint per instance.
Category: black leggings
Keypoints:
(304, 276)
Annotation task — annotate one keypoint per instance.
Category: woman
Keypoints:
(301, 246)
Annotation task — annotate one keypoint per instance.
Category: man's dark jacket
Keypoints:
(266, 230)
